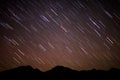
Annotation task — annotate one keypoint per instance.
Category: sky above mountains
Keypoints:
(80, 34)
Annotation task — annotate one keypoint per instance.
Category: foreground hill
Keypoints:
(58, 73)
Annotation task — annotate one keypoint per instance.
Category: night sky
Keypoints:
(80, 34)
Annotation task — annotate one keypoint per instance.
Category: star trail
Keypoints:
(80, 34)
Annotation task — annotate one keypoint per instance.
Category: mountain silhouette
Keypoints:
(61, 69)
(58, 73)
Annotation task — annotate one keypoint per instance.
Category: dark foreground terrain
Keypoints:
(58, 73)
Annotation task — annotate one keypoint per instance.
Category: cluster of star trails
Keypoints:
(79, 34)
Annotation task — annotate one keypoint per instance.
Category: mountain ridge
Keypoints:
(28, 67)
(58, 73)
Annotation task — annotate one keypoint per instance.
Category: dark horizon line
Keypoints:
(58, 67)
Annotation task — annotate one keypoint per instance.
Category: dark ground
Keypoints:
(58, 73)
